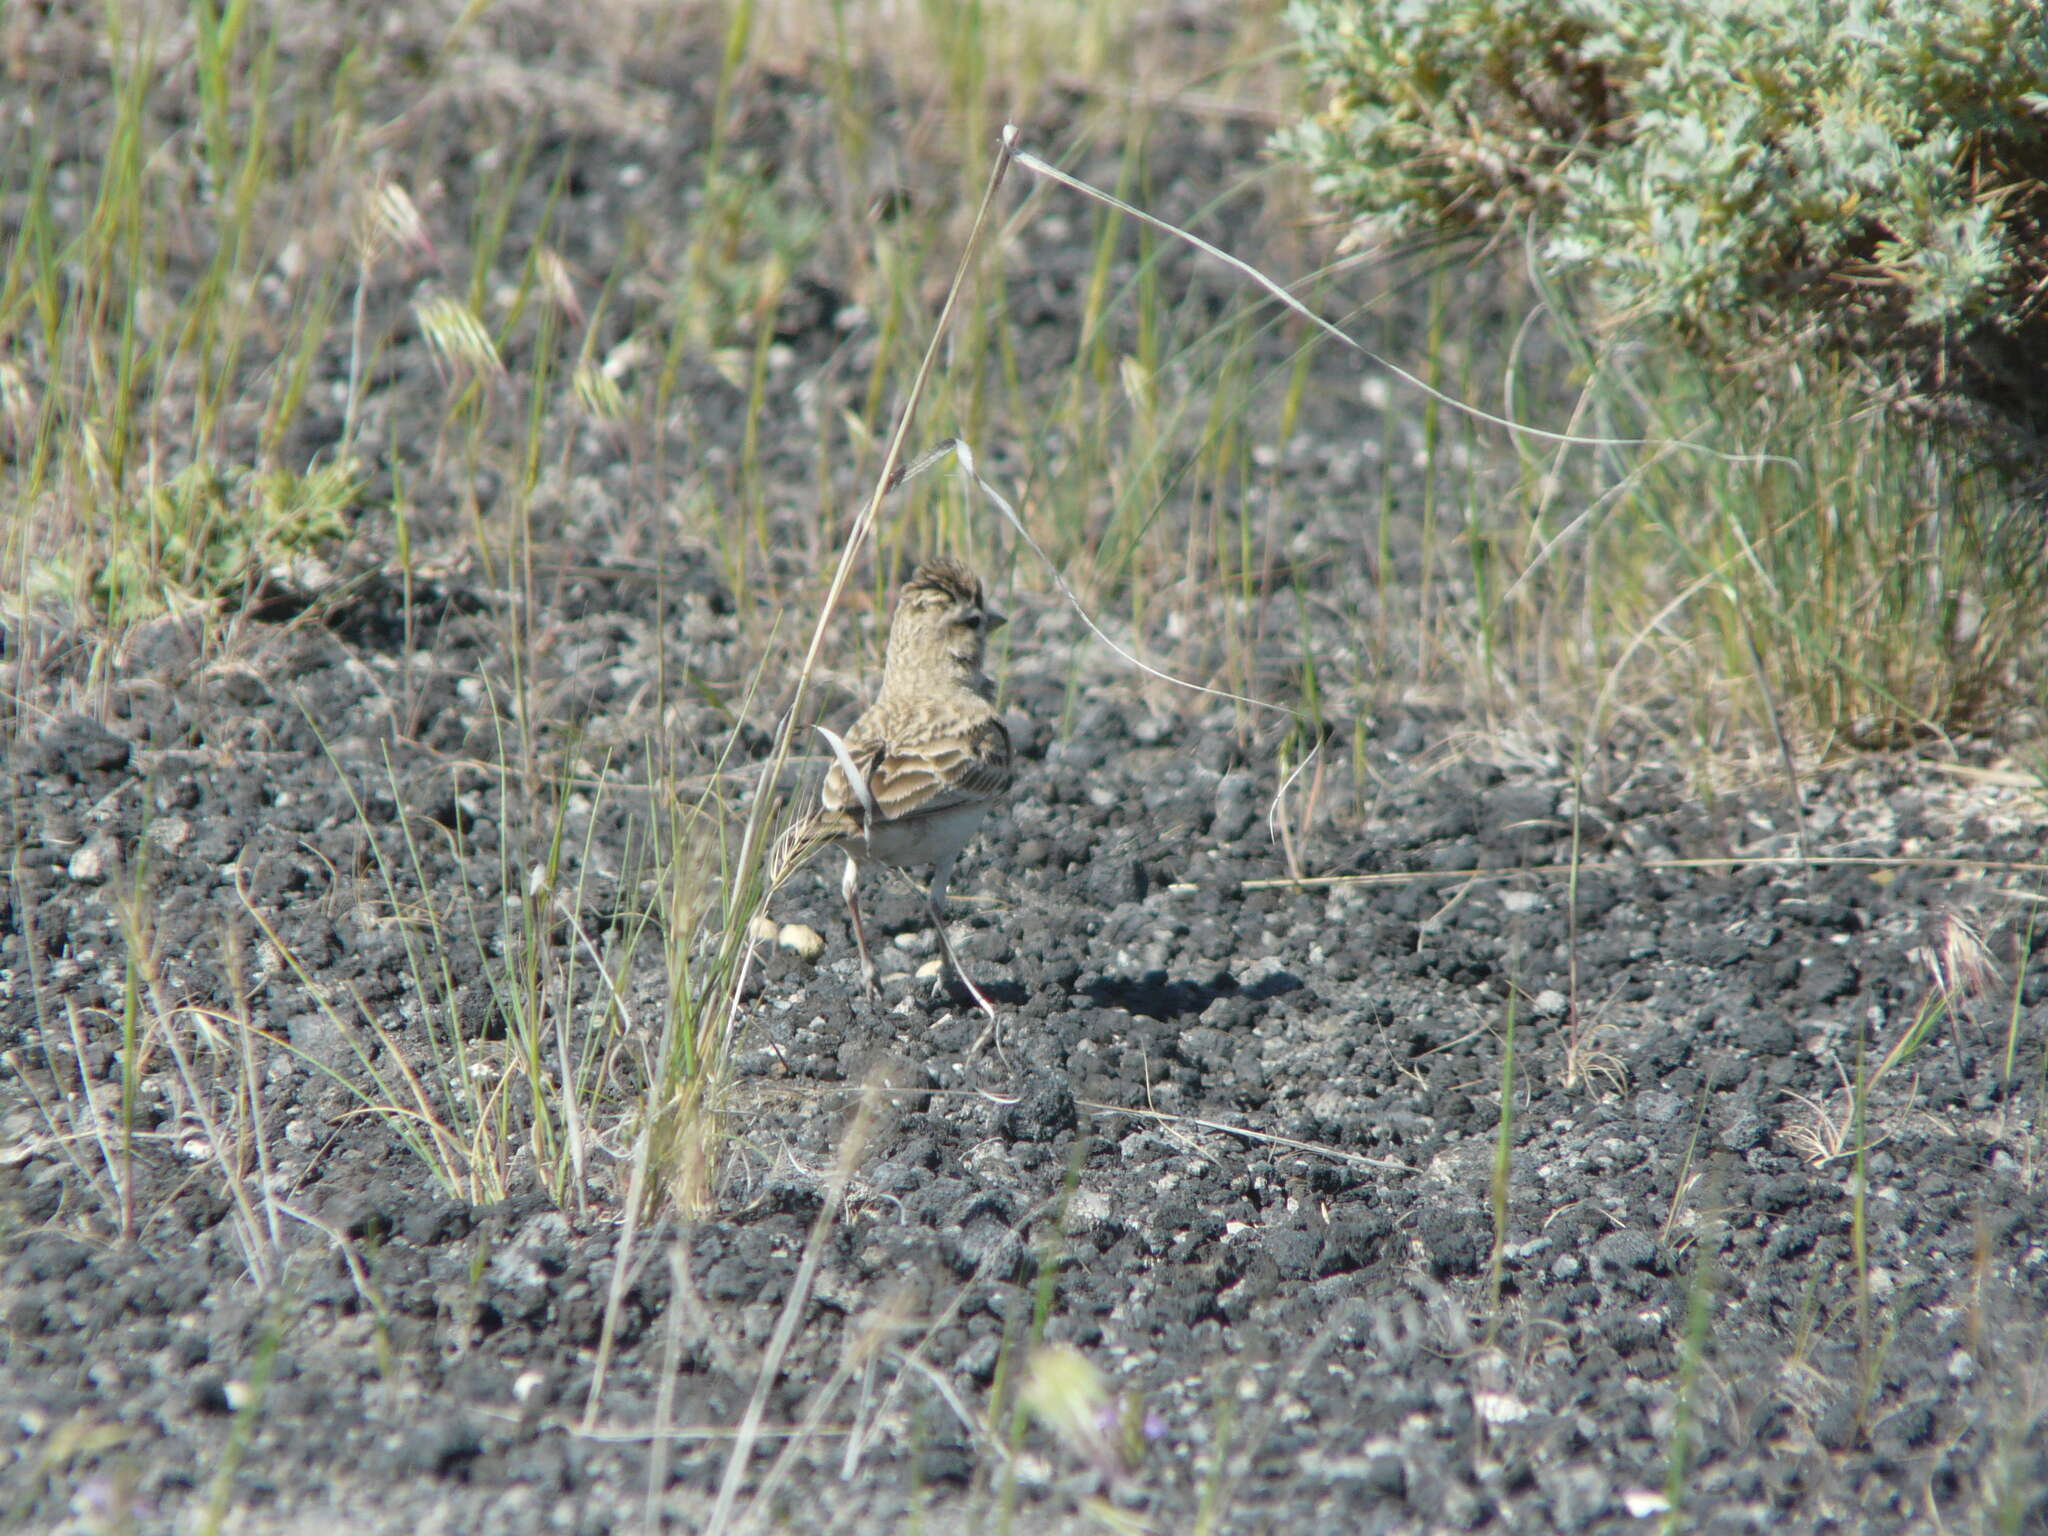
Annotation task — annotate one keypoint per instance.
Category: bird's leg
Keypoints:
(952, 959)
(849, 887)
(934, 899)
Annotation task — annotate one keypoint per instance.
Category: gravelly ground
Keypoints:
(1238, 1148)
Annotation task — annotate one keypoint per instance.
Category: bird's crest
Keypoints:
(945, 578)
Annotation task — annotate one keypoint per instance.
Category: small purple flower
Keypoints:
(1108, 1431)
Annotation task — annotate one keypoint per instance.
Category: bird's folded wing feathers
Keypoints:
(906, 780)
(923, 778)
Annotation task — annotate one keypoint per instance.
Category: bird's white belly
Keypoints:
(919, 839)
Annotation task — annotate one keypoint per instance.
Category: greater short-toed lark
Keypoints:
(930, 753)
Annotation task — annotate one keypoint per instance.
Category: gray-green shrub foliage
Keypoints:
(1748, 172)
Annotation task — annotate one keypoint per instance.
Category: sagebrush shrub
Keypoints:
(1750, 174)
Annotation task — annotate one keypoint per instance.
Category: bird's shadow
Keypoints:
(1156, 995)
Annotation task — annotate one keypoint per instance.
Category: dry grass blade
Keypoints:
(1245, 1132)
(965, 457)
(1725, 861)
(598, 394)
(855, 779)
(665, 1394)
(622, 1268)
(458, 336)
(850, 1151)
(859, 1354)
(863, 525)
(1038, 167)
(387, 216)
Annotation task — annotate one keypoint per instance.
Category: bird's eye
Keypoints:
(973, 620)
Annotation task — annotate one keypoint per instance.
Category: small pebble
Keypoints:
(803, 942)
(93, 863)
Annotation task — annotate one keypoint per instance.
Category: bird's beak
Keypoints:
(993, 620)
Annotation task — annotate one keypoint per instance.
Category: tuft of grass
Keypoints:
(1858, 577)
(1961, 973)
(136, 322)
(205, 535)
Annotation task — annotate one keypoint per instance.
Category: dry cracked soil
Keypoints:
(1240, 1150)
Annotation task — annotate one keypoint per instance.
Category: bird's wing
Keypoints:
(913, 768)
(914, 779)
(910, 775)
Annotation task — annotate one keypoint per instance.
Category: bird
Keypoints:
(921, 767)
